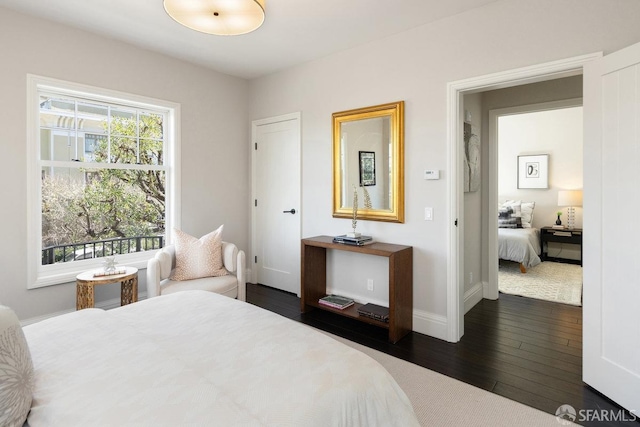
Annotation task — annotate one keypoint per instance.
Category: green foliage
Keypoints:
(89, 205)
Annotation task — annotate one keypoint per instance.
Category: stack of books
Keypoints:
(373, 311)
(356, 241)
(336, 301)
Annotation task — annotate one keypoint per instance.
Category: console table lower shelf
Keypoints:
(314, 279)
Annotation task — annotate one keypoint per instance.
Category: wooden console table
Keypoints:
(314, 280)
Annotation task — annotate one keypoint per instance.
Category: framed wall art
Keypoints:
(367, 168)
(533, 171)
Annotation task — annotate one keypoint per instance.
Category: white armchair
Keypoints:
(232, 285)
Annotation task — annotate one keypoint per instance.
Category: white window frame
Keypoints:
(46, 275)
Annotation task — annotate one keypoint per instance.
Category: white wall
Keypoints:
(557, 133)
(415, 66)
(215, 131)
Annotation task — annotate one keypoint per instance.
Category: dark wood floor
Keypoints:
(526, 350)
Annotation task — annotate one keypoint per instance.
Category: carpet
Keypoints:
(549, 281)
(442, 401)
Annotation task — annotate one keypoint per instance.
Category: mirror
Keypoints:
(368, 154)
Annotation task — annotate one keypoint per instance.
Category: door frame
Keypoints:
(297, 117)
(455, 152)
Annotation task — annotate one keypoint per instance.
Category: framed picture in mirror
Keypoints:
(367, 168)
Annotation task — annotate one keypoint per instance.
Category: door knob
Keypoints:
(292, 211)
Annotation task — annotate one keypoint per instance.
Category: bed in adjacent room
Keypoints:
(518, 241)
(199, 358)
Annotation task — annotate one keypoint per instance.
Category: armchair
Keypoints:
(232, 285)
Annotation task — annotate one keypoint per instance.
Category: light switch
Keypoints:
(428, 214)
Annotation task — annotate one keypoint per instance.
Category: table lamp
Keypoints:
(570, 198)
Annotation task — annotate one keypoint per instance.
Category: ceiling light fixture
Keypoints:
(219, 17)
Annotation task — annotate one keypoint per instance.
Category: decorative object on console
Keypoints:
(354, 218)
(533, 171)
(367, 205)
(572, 199)
(109, 264)
(355, 241)
(558, 222)
(222, 18)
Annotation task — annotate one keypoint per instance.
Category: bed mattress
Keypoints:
(199, 358)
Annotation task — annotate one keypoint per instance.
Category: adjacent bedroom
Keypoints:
(540, 174)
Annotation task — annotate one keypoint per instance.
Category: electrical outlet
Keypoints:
(471, 277)
(370, 285)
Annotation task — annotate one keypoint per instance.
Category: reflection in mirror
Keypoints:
(369, 156)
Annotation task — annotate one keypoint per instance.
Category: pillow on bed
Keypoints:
(197, 258)
(507, 218)
(527, 213)
(522, 210)
(16, 371)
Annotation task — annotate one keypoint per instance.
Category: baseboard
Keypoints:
(105, 305)
(430, 324)
(473, 296)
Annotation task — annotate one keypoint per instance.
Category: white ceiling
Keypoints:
(294, 31)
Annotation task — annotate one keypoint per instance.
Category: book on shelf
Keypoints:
(357, 241)
(336, 301)
(374, 311)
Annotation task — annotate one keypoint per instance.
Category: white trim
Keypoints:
(473, 296)
(491, 288)
(455, 90)
(104, 305)
(297, 116)
(37, 276)
(430, 324)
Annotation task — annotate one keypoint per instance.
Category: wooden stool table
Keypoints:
(85, 283)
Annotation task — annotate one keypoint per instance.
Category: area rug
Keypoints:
(550, 281)
(442, 401)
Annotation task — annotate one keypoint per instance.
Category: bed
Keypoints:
(521, 245)
(517, 240)
(199, 358)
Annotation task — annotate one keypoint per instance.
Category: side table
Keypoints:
(560, 235)
(85, 283)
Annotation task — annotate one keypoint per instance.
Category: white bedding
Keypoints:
(520, 245)
(202, 359)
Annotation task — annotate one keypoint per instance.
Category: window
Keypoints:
(102, 178)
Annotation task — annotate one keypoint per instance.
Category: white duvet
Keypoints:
(200, 359)
(520, 245)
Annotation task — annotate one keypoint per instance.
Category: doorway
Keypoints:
(516, 134)
(456, 91)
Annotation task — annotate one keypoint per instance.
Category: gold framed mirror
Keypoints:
(368, 154)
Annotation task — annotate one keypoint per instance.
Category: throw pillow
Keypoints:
(527, 213)
(196, 258)
(16, 371)
(507, 219)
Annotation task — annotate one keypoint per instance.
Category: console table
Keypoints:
(314, 281)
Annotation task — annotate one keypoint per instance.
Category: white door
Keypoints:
(611, 311)
(276, 212)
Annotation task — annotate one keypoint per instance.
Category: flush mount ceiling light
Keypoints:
(219, 17)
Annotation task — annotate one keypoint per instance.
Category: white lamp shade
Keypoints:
(219, 17)
(570, 198)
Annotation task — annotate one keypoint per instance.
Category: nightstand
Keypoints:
(560, 235)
